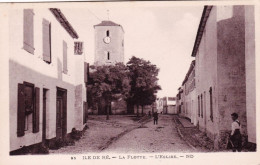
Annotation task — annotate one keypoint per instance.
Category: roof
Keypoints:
(64, 22)
(189, 72)
(203, 21)
(108, 23)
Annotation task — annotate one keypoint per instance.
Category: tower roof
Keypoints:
(108, 23)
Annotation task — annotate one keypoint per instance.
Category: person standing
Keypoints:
(155, 118)
(235, 136)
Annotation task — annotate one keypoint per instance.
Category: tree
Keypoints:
(108, 82)
(143, 82)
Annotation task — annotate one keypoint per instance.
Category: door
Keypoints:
(61, 111)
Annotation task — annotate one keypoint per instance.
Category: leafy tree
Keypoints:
(108, 82)
(143, 82)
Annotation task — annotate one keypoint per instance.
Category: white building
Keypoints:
(46, 77)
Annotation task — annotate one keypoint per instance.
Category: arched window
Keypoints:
(107, 33)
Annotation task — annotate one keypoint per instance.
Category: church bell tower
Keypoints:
(109, 43)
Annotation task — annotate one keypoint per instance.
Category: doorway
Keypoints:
(61, 113)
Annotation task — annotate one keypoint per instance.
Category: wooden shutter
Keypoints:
(65, 69)
(28, 42)
(20, 111)
(46, 40)
(78, 48)
(36, 113)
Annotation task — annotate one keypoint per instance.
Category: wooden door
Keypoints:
(59, 132)
(61, 113)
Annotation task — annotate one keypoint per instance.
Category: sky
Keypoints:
(163, 34)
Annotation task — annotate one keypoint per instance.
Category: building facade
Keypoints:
(169, 105)
(46, 77)
(179, 101)
(225, 74)
(189, 95)
(109, 43)
(159, 105)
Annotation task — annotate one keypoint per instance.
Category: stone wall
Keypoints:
(231, 69)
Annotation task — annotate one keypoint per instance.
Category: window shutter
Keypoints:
(46, 33)
(78, 48)
(65, 69)
(36, 113)
(28, 43)
(21, 111)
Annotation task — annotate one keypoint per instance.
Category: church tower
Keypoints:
(109, 43)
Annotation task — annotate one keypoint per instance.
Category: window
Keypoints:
(46, 40)
(78, 48)
(122, 43)
(28, 109)
(108, 56)
(211, 102)
(28, 43)
(107, 33)
(201, 104)
(65, 63)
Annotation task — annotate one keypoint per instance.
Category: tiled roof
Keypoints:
(64, 22)
(192, 65)
(107, 23)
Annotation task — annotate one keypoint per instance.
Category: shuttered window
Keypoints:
(46, 40)
(65, 56)
(28, 109)
(78, 48)
(36, 112)
(21, 111)
(28, 42)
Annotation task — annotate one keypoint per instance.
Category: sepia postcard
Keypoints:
(122, 82)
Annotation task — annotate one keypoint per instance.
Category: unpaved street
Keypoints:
(125, 134)
(152, 138)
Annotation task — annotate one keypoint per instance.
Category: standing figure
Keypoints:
(155, 118)
(235, 137)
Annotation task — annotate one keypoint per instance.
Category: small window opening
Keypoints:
(108, 55)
